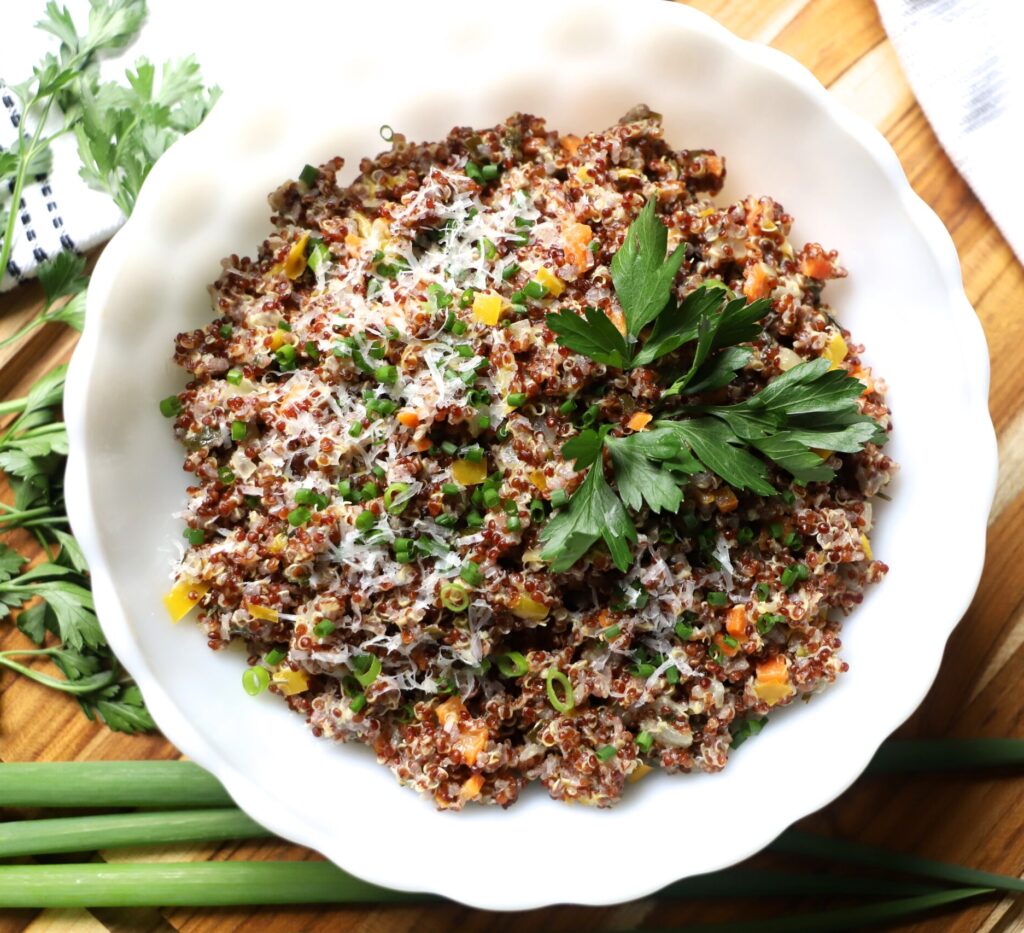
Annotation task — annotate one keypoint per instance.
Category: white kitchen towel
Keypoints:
(965, 63)
(57, 211)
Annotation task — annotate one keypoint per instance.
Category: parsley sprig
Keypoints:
(808, 409)
(121, 130)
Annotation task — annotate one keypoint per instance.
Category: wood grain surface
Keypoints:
(970, 820)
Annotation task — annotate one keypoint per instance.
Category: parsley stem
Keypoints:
(84, 685)
(13, 405)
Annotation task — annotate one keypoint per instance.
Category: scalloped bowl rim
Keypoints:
(258, 800)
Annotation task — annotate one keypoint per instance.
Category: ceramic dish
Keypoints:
(580, 65)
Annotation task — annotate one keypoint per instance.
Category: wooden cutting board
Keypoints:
(973, 821)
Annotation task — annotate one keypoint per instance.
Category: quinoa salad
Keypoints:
(520, 459)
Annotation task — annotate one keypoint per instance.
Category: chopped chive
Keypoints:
(515, 399)
(344, 489)
(745, 535)
(170, 407)
(357, 702)
(319, 256)
(684, 631)
(356, 429)
(309, 175)
(195, 536)
(225, 331)
(644, 741)
(605, 752)
(474, 454)
(284, 325)
(483, 422)
(488, 248)
(768, 621)
(559, 499)
(566, 701)
(776, 529)
(470, 572)
(255, 680)
(312, 351)
(567, 407)
(448, 520)
(367, 668)
(459, 328)
(239, 430)
(466, 298)
(534, 289)
(387, 374)
(717, 599)
(489, 172)
(513, 664)
(509, 271)
(365, 520)
(234, 376)
(763, 592)
(451, 489)
(513, 523)
(537, 511)
(275, 656)
(454, 597)
(491, 498)
(611, 632)
(323, 628)
(672, 675)
(394, 490)
(298, 516)
(475, 520)
(369, 491)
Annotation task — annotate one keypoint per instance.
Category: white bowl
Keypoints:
(580, 64)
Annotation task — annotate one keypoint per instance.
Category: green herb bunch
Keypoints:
(810, 407)
(121, 130)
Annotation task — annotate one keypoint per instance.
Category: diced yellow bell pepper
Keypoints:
(291, 682)
(526, 608)
(487, 308)
(278, 339)
(469, 472)
(550, 281)
(182, 598)
(772, 693)
(295, 264)
(278, 544)
(865, 546)
(640, 771)
(538, 479)
(262, 612)
(835, 350)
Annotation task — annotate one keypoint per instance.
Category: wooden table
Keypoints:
(974, 821)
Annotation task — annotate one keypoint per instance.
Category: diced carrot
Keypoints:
(816, 265)
(450, 710)
(471, 743)
(639, 421)
(726, 500)
(570, 144)
(408, 418)
(577, 238)
(736, 622)
(472, 787)
(773, 671)
(772, 685)
(353, 242)
(757, 283)
(422, 444)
